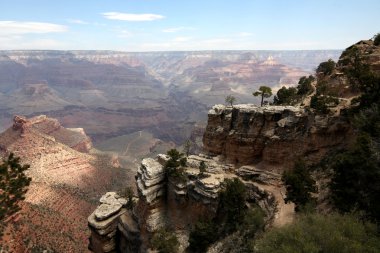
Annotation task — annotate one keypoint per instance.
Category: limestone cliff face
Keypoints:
(169, 202)
(111, 224)
(273, 135)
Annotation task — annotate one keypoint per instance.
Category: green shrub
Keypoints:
(315, 233)
(232, 216)
(368, 120)
(299, 185)
(127, 193)
(326, 67)
(203, 234)
(174, 166)
(202, 167)
(252, 222)
(285, 96)
(356, 181)
(318, 105)
(322, 88)
(376, 39)
(165, 241)
(321, 103)
(232, 204)
(304, 85)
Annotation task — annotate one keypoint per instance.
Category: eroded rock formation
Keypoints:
(170, 202)
(252, 143)
(273, 135)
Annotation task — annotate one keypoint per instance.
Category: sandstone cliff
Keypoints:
(273, 136)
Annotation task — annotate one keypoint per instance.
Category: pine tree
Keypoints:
(13, 186)
(264, 92)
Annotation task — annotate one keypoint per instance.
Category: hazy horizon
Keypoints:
(166, 51)
(168, 26)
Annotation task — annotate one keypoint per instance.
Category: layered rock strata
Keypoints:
(252, 143)
(75, 138)
(64, 185)
(175, 203)
(110, 219)
(274, 135)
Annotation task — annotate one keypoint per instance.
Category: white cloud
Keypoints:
(125, 34)
(16, 27)
(77, 21)
(177, 29)
(131, 17)
(173, 30)
(245, 34)
(181, 39)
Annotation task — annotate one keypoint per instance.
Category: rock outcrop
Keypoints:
(75, 138)
(273, 135)
(254, 144)
(110, 218)
(171, 202)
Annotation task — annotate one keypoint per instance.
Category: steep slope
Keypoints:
(64, 185)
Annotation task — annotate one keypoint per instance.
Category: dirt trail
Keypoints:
(130, 143)
(307, 100)
(285, 213)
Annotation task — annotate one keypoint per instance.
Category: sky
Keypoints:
(171, 25)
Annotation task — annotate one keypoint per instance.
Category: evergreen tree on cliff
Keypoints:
(264, 92)
(13, 186)
(230, 100)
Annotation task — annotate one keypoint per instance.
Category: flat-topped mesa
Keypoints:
(275, 135)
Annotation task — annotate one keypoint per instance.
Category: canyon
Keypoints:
(251, 143)
(243, 141)
(161, 93)
(105, 113)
